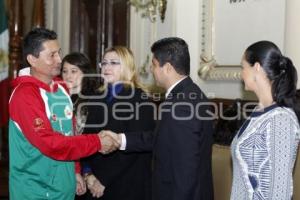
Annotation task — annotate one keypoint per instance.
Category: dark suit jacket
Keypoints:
(181, 144)
(127, 176)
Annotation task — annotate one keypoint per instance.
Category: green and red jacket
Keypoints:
(42, 149)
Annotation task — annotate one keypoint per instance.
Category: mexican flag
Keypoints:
(4, 82)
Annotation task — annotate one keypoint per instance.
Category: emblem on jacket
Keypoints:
(38, 124)
(54, 117)
(68, 112)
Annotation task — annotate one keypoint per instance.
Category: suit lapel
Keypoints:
(172, 96)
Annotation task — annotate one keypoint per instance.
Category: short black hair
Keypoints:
(33, 42)
(175, 51)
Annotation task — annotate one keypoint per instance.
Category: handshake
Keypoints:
(110, 141)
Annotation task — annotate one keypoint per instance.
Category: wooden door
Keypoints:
(98, 24)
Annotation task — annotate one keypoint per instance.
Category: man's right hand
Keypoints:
(115, 136)
(109, 141)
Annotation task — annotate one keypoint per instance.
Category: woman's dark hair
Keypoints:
(279, 69)
(89, 83)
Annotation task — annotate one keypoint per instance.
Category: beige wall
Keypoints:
(184, 19)
(292, 33)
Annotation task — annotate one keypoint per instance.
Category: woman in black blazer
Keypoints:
(120, 105)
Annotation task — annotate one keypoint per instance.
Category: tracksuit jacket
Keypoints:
(41, 151)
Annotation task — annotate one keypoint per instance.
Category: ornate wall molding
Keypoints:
(209, 68)
(220, 73)
(229, 27)
(142, 34)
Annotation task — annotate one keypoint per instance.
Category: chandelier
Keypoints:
(151, 8)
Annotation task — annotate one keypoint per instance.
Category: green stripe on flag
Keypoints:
(3, 17)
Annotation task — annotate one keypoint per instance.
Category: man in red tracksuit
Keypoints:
(41, 146)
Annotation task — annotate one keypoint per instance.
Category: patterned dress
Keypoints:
(264, 153)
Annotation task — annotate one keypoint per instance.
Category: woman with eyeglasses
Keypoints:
(122, 104)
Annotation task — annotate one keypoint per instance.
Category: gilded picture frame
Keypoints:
(228, 27)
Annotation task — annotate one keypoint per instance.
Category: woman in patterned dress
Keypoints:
(264, 150)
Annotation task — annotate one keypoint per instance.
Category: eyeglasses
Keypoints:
(109, 63)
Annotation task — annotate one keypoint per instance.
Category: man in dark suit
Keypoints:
(182, 141)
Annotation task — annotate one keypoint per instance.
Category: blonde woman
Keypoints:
(122, 105)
